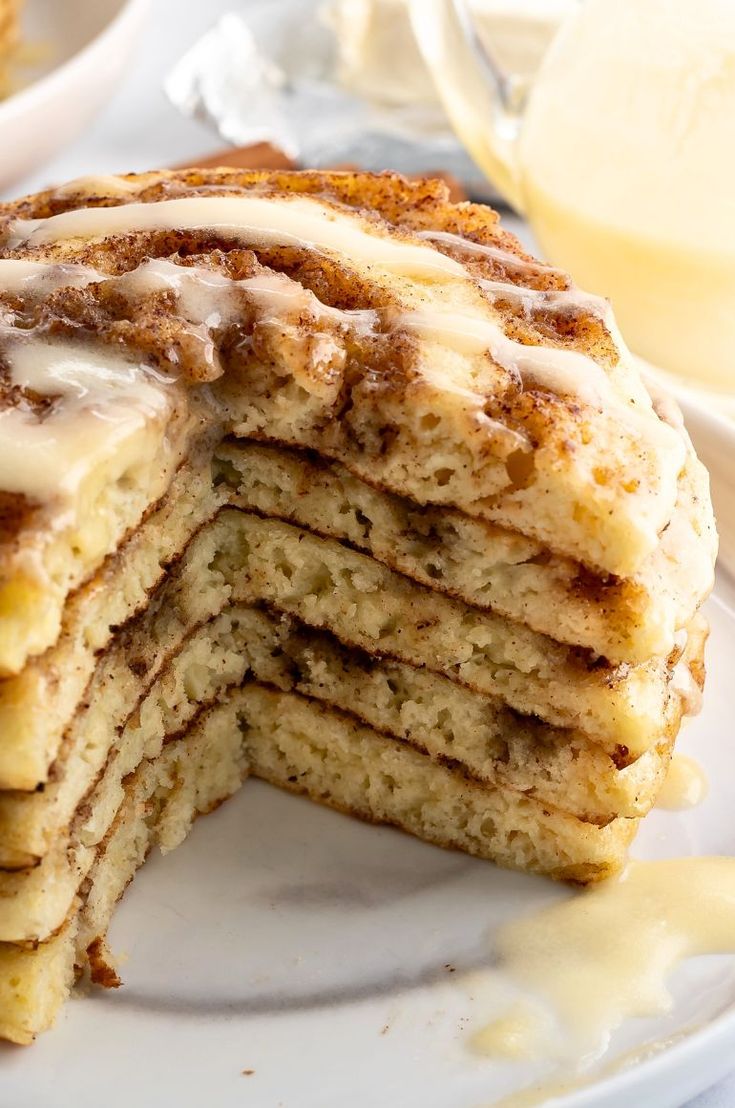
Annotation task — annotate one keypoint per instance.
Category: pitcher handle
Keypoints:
(484, 104)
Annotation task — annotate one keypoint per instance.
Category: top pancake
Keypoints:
(358, 315)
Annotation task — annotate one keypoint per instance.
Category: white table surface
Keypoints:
(140, 130)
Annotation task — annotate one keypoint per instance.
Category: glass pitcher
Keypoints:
(621, 154)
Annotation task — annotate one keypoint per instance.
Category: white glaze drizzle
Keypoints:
(565, 372)
(204, 296)
(254, 220)
(26, 278)
(565, 299)
(506, 257)
(562, 371)
(306, 221)
(556, 370)
(102, 403)
(555, 300)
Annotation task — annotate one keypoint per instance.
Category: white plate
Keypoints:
(83, 47)
(319, 953)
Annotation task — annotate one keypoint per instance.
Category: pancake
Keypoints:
(620, 619)
(319, 478)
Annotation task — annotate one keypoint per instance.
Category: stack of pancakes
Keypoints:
(318, 477)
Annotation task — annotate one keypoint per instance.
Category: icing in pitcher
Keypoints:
(620, 153)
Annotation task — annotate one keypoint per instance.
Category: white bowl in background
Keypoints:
(83, 46)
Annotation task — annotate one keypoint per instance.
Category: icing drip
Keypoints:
(21, 277)
(204, 296)
(306, 222)
(555, 300)
(100, 405)
(558, 371)
(254, 220)
(562, 371)
(207, 297)
(685, 785)
(567, 299)
(506, 257)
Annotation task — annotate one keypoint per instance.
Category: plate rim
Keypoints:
(675, 1060)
